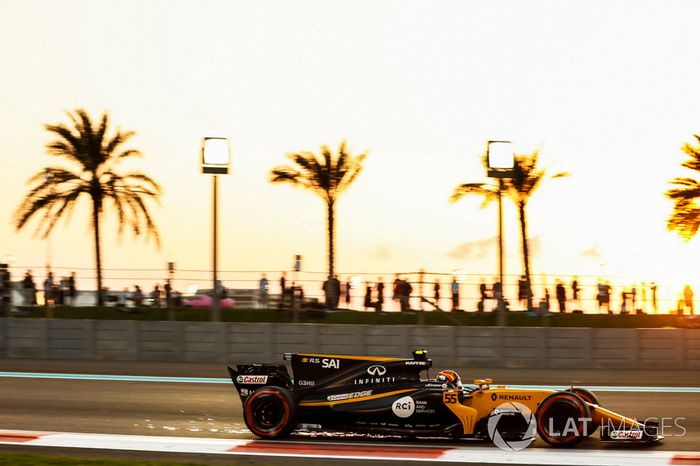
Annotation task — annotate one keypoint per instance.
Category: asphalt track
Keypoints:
(213, 410)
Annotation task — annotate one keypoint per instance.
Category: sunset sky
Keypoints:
(607, 90)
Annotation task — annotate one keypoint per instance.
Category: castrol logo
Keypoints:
(252, 379)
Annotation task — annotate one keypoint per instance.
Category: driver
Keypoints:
(450, 378)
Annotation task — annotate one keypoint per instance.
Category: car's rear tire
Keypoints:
(563, 419)
(270, 412)
(589, 397)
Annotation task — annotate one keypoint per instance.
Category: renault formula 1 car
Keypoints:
(388, 396)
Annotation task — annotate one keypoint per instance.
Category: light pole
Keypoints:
(48, 177)
(216, 158)
(500, 160)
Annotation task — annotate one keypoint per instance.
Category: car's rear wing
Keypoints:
(418, 355)
(312, 370)
(249, 377)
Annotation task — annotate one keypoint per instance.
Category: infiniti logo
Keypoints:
(376, 370)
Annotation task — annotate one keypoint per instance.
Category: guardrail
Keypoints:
(510, 347)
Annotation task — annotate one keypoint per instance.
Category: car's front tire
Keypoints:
(270, 412)
(563, 419)
(589, 397)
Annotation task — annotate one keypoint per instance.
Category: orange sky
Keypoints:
(607, 91)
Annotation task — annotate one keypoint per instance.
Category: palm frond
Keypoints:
(487, 191)
(285, 174)
(55, 190)
(47, 204)
(684, 190)
(327, 175)
(685, 219)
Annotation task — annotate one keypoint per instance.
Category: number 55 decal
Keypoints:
(449, 397)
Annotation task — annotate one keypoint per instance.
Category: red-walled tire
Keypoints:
(270, 412)
(563, 419)
(585, 394)
(589, 397)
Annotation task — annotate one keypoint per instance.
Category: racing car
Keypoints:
(381, 395)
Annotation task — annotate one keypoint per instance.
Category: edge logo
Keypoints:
(403, 407)
(376, 370)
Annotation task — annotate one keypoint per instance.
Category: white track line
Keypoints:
(365, 451)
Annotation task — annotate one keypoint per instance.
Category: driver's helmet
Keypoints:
(450, 378)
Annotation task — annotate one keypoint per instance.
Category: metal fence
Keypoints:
(245, 284)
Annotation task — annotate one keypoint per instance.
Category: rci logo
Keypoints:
(403, 407)
(376, 370)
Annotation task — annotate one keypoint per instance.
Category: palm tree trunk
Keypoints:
(331, 239)
(96, 208)
(526, 252)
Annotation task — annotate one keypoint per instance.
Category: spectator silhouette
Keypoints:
(72, 290)
(523, 291)
(380, 294)
(688, 298)
(436, 291)
(264, 291)
(497, 291)
(168, 288)
(48, 289)
(331, 289)
(395, 291)
(348, 291)
(404, 294)
(624, 296)
(483, 296)
(283, 288)
(29, 289)
(368, 296)
(604, 290)
(574, 290)
(137, 296)
(155, 296)
(454, 289)
(561, 296)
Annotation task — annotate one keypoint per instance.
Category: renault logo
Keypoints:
(376, 370)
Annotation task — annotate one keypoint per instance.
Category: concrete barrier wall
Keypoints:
(3, 340)
(523, 347)
(691, 349)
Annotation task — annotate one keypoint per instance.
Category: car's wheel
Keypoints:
(270, 412)
(585, 394)
(563, 419)
(589, 397)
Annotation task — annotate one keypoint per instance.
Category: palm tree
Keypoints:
(685, 218)
(93, 155)
(525, 179)
(328, 176)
